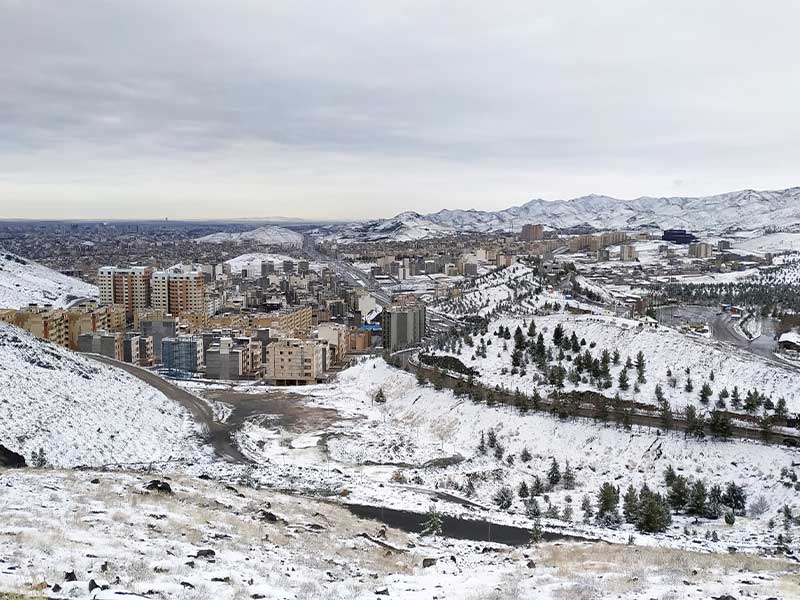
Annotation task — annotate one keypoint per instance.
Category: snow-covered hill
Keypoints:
(82, 412)
(745, 210)
(23, 281)
(405, 227)
(269, 235)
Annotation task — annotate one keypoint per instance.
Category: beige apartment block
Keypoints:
(126, 286)
(178, 292)
(294, 362)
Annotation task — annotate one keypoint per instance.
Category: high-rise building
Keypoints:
(403, 323)
(157, 329)
(700, 250)
(179, 292)
(628, 252)
(532, 232)
(103, 343)
(126, 286)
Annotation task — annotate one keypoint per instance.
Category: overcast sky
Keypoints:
(325, 109)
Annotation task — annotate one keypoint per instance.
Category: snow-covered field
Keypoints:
(82, 412)
(209, 541)
(23, 281)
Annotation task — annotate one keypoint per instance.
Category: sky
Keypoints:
(355, 110)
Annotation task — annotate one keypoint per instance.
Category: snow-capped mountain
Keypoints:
(268, 235)
(23, 281)
(745, 210)
(405, 227)
(81, 412)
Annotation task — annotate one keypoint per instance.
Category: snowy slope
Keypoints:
(723, 213)
(269, 235)
(82, 412)
(405, 227)
(254, 259)
(23, 281)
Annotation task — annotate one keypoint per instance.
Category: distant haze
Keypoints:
(355, 110)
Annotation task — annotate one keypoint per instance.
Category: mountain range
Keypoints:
(745, 210)
(268, 235)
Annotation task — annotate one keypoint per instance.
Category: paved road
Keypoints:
(218, 434)
(722, 328)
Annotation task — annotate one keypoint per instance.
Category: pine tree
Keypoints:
(689, 387)
(719, 424)
(630, 505)
(586, 507)
(537, 487)
(654, 515)
(504, 497)
(433, 522)
(736, 399)
(491, 438)
(697, 499)
(615, 357)
(532, 329)
(622, 382)
(735, 498)
(705, 393)
(554, 474)
(380, 397)
(482, 444)
(532, 510)
(679, 493)
(568, 477)
(640, 367)
(525, 455)
(669, 476)
(522, 490)
(607, 500)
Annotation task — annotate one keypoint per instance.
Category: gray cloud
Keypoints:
(355, 109)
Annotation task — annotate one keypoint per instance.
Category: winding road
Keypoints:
(218, 434)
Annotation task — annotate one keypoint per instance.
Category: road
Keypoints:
(218, 434)
(722, 328)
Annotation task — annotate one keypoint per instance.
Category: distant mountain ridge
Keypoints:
(269, 234)
(744, 210)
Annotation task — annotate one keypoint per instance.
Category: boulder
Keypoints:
(156, 485)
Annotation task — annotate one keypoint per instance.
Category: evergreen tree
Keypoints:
(586, 507)
(433, 522)
(640, 367)
(568, 477)
(482, 444)
(554, 474)
(537, 487)
(607, 503)
(735, 498)
(525, 455)
(491, 438)
(630, 505)
(522, 490)
(504, 497)
(736, 399)
(532, 510)
(697, 499)
(558, 334)
(689, 387)
(719, 424)
(679, 493)
(615, 357)
(532, 329)
(714, 504)
(654, 514)
(705, 393)
(622, 382)
(380, 397)
(669, 476)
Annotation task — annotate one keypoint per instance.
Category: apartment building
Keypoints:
(338, 338)
(102, 342)
(532, 232)
(298, 319)
(182, 354)
(403, 323)
(700, 250)
(360, 340)
(63, 326)
(125, 286)
(158, 329)
(179, 292)
(628, 253)
(295, 362)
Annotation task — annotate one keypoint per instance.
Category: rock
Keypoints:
(530, 564)
(724, 597)
(95, 481)
(187, 585)
(206, 553)
(384, 591)
(104, 567)
(56, 588)
(257, 596)
(10, 459)
(221, 579)
(70, 576)
(92, 585)
(428, 562)
(156, 485)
